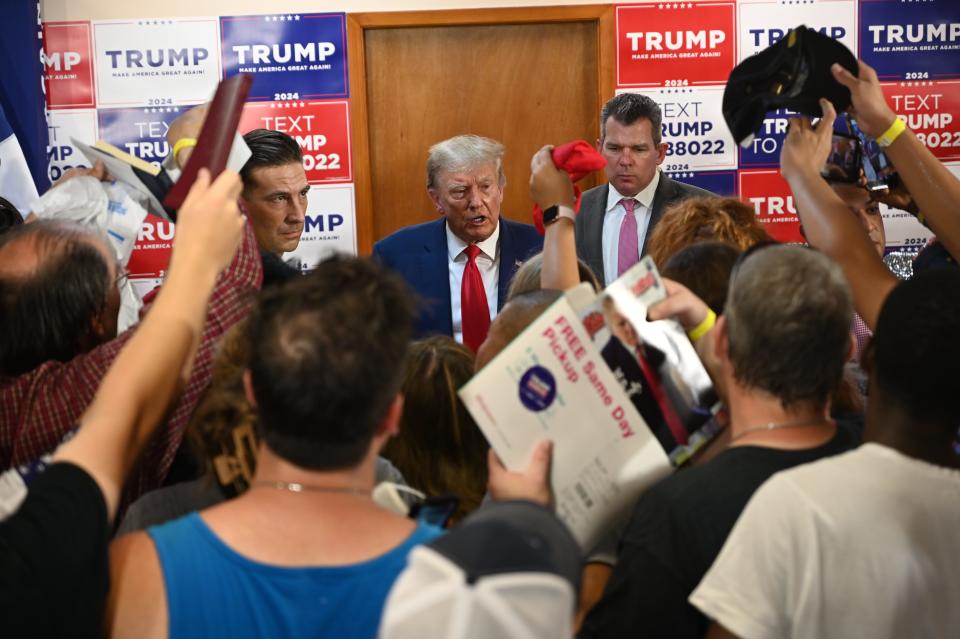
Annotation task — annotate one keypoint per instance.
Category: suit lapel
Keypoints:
(508, 261)
(661, 199)
(594, 230)
(435, 275)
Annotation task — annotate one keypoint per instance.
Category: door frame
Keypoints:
(359, 23)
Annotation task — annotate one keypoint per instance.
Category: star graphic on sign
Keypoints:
(301, 104)
(296, 17)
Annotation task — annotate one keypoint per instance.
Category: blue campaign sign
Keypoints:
(912, 40)
(140, 131)
(291, 56)
(763, 152)
(720, 182)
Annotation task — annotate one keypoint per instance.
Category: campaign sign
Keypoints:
(330, 226)
(139, 131)
(693, 127)
(932, 111)
(720, 182)
(911, 40)
(291, 56)
(322, 129)
(61, 126)
(156, 62)
(675, 44)
(770, 196)
(762, 23)
(764, 150)
(151, 252)
(902, 230)
(68, 65)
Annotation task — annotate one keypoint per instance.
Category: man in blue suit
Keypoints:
(462, 263)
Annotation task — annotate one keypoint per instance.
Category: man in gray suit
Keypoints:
(616, 219)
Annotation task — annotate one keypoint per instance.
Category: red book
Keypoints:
(216, 137)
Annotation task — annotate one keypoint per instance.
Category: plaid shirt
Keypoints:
(37, 409)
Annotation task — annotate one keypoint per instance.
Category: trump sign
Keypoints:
(291, 56)
(675, 44)
(322, 129)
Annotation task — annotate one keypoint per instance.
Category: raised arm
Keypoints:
(137, 390)
(934, 188)
(549, 186)
(826, 220)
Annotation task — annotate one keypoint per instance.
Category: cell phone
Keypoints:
(436, 511)
(845, 160)
(878, 172)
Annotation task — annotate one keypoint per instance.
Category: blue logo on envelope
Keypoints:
(296, 56)
(538, 388)
(911, 41)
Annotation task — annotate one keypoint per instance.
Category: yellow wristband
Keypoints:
(891, 134)
(182, 144)
(703, 327)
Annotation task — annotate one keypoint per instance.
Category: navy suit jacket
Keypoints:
(419, 254)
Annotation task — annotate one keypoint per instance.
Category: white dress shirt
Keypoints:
(488, 262)
(613, 218)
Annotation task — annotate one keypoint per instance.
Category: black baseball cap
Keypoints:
(793, 73)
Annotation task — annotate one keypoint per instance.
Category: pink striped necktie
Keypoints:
(628, 251)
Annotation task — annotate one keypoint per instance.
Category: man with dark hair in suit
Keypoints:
(615, 219)
(462, 263)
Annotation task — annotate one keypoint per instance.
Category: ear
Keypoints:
(851, 347)
(661, 152)
(721, 342)
(599, 144)
(435, 198)
(390, 425)
(248, 388)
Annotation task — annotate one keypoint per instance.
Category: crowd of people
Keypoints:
(273, 453)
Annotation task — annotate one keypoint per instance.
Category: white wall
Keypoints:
(54, 10)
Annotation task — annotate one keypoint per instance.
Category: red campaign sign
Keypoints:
(770, 196)
(321, 128)
(676, 44)
(68, 62)
(932, 111)
(151, 252)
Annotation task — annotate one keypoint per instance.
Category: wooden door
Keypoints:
(525, 77)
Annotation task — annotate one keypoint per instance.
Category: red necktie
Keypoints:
(474, 312)
(669, 414)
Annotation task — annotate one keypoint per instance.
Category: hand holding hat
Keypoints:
(869, 107)
(807, 146)
(553, 172)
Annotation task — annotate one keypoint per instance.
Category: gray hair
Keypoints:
(627, 108)
(464, 152)
(788, 312)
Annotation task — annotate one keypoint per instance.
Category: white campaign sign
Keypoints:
(61, 126)
(156, 62)
(330, 226)
(902, 229)
(694, 129)
(762, 23)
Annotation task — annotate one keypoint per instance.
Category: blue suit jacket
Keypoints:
(419, 254)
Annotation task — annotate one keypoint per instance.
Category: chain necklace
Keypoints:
(295, 487)
(778, 425)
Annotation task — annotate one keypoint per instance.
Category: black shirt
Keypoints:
(54, 570)
(677, 529)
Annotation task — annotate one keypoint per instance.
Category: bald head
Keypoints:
(64, 274)
(516, 315)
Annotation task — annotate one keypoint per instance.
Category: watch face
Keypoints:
(550, 214)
